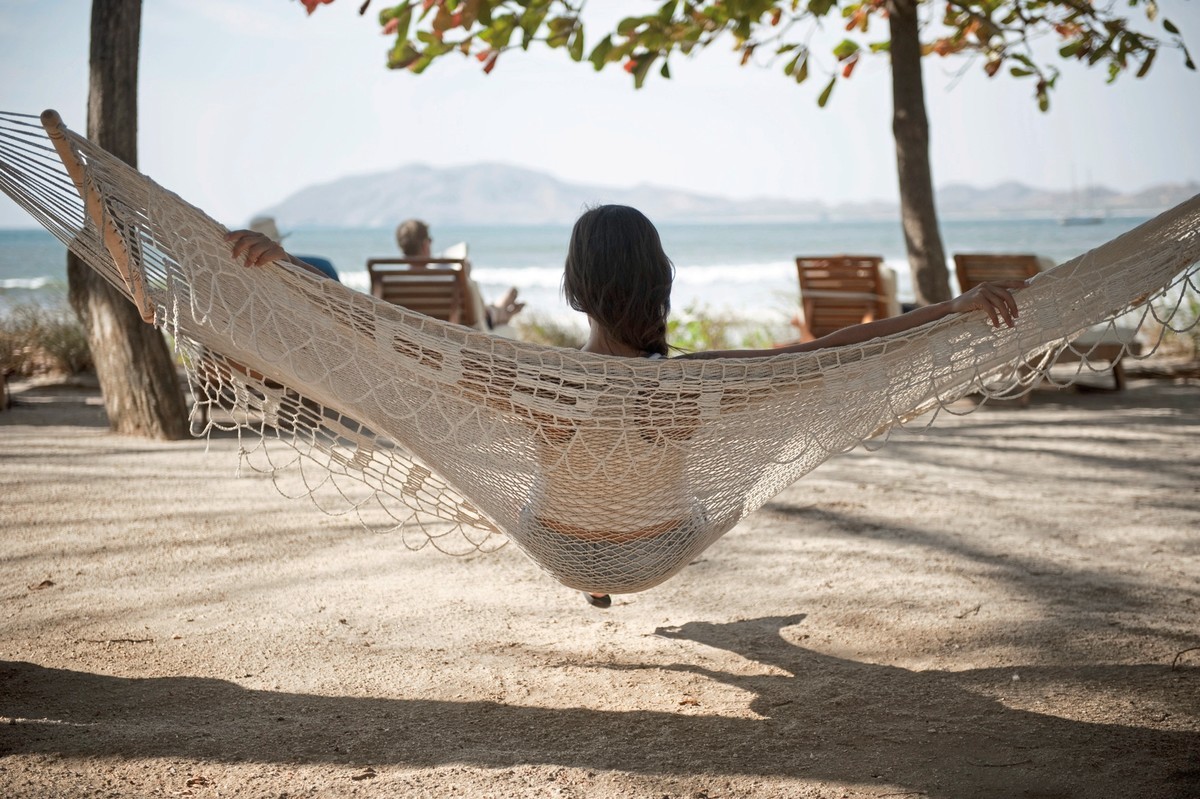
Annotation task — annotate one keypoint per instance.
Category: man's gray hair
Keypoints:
(410, 235)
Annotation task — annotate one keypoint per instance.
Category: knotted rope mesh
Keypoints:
(611, 473)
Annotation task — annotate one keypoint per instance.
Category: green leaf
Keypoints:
(819, 8)
(599, 55)
(802, 72)
(576, 46)
(1169, 27)
(421, 64)
(644, 62)
(500, 32)
(1018, 72)
(628, 25)
(436, 49)
(531, 20)
(824, 98)
(560, 30)
(665, 71)
(388, 14)
(402, 55)
(844, 49)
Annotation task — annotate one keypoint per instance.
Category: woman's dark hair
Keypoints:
(618, 274)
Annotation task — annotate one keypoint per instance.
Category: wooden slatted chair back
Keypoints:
(838, 291)
(435, 287)
(975, 268)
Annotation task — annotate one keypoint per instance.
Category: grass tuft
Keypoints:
(40, 340)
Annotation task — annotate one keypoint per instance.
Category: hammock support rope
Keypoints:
(611, 473)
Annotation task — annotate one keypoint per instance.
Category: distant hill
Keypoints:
(496, 194)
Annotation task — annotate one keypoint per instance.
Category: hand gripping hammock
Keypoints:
(611, 473)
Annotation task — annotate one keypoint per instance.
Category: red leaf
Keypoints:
(392, 26)
(630, 65)
(311, 5)
(846, 70)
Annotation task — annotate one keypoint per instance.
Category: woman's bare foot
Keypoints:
(598, 600)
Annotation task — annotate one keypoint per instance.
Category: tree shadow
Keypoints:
(819, 717)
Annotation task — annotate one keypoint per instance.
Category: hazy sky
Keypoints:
(243, 102)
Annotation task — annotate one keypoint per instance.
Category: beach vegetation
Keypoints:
(698, 328)
(999, 35)
(40, 340)
(549, 331)
(694, 329)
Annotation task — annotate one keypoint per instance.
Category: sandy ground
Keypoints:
(1008, 606)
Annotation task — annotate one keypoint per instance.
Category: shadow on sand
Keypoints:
(821, 718)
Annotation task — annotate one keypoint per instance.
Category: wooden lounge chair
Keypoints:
(435, 287)
(975, 268)
(1104, 343)
(838, 291)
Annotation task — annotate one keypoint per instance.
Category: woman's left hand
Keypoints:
(255, 248)
(994, 299)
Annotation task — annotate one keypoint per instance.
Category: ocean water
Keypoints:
(747, 270)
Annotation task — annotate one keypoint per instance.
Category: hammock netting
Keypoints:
(611, 473)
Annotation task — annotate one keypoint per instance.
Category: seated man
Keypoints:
(266, 226)
(413, 237)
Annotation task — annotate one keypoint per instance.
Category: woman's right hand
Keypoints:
(994, 299)
(255, 248)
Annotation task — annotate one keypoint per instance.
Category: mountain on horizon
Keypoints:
(500, 194)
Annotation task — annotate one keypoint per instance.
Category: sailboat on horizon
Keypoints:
(1075, 217)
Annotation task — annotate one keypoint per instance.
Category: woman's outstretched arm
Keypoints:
(994, 299)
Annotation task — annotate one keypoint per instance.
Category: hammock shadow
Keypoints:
(936, 734)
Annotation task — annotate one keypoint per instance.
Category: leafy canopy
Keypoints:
(997, 33)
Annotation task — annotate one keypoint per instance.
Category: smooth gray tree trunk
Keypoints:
(910, 128)
(137, 375)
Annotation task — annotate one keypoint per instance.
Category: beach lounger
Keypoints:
(435, 287)
(838, 291)
(1103, 343)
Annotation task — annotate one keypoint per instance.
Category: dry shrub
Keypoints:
(37, 340)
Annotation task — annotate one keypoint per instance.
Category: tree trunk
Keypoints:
(137, 375)
(910, 127)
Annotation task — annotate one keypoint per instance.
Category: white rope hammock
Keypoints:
(611, 473)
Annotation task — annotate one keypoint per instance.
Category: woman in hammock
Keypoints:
(617, 274)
